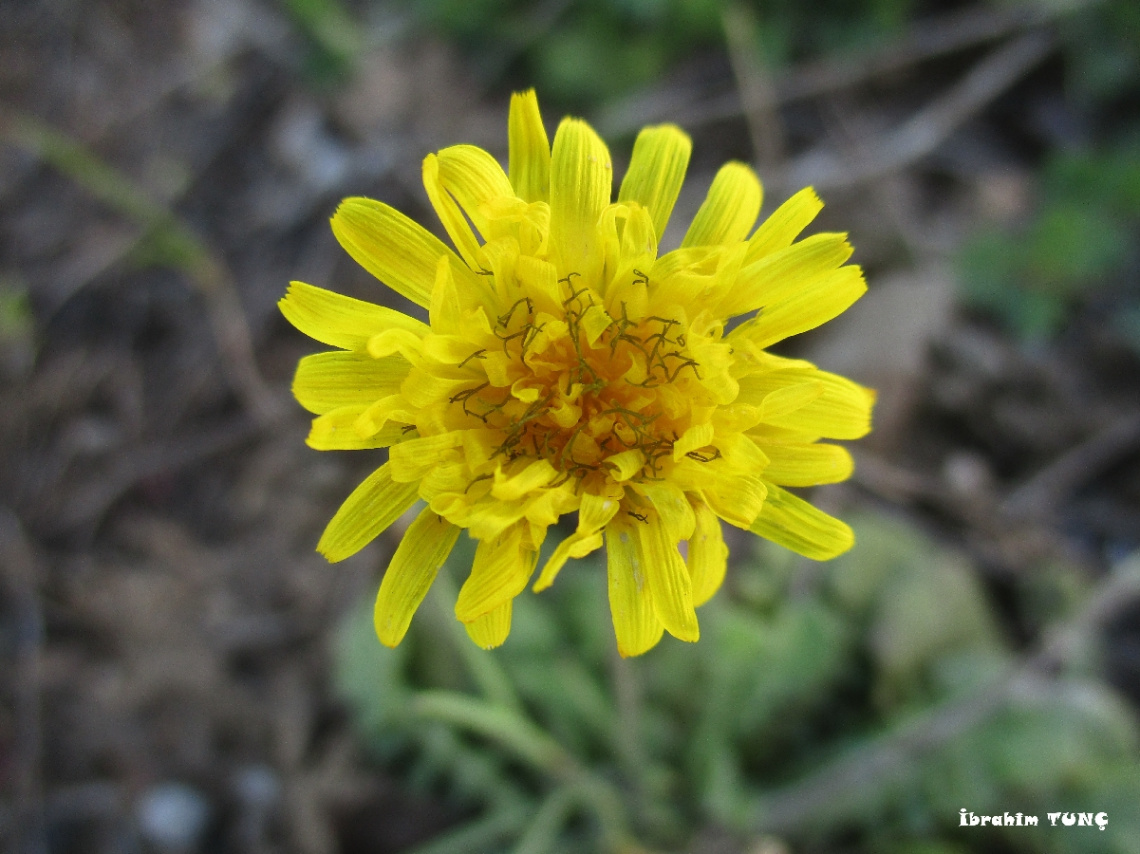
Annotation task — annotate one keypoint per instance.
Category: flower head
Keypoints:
(567, 367)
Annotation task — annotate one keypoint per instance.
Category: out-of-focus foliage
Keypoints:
(332, 36)
(585, 51)
(1079, 245)
(879, 662)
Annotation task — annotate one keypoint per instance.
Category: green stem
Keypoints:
(542, 833)
(488, 675)
(509, 729)
(533, 746)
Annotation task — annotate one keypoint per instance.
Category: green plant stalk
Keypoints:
(533, 746)
(542, 834)
(485, 670)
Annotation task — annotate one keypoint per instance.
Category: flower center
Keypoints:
(585, 392)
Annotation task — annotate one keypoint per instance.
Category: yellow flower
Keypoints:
(567, 367)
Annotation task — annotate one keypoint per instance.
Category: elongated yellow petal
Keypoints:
(841, 411)
(807, 465)
(336, 431)
(490, 630)
(413, 459)
(631, 606)
(708, 555)
(656, 172)
(790, 399)
(668, 581)
(797, 525)
(784, 225)
(738, 499)
(528, 149)
(372, 507)
(697, 436)
(593, 515)
(785, 275)
(729, 210)
(499, 573)
(417, 561)
(328, 381)
(395, 249)
(673, 508)
(524, 481)
(341, 321)
(816, 303)
(581, 180)
(459, 181)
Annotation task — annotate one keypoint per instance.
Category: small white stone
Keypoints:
(173, 816)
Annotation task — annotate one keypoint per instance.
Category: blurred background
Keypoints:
(182, 673)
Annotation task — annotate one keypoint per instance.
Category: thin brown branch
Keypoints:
(924, 40)
(1043, 492)
(754, 82)
(930, 126)
(180, 248)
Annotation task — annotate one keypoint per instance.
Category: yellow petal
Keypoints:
(336, 431)
(526, 480)
(459, 181)
(446, 310)
(341, 321)
(413, 459)
(395, 249)
(656, 172)
(790, 399)
(488, 519)
(581, 180)
(738, 499)
(631, 606)
(784, 225)
(708, 555)
(417, 561)
(793, 523)
(729, 210)
(668, 581)
(490, 630)
(594, 513)
(841, 411)
(372, 507)
(626, 464)
(785, 275)
(697, 436)
(499, 573)
(328, 381)
(813, 306)
(673, 508)
(528, 149)
(807, 465)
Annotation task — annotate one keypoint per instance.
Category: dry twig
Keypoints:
(929, 127)
(1045, 491)
(925, 40)
(178, 244)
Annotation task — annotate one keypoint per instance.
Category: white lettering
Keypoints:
(1102, 820)
(1031, 821)
(962, 818)
(1068, 819)
(1053, 816)
(1084, 819)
